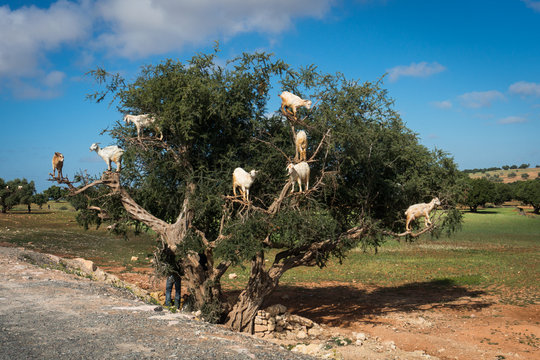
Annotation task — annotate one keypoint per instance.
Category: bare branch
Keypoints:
(319, 146)
(275, 148)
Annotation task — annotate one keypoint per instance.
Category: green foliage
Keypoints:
(529, 193)
(16, 192)
(214, 117)
(39, 199)
(97, 204)
(55, 193)
(478, 193)
(503, 193)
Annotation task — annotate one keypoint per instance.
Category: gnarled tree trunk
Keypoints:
(260, 285)
(201, 279)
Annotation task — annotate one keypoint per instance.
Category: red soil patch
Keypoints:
(442, 319)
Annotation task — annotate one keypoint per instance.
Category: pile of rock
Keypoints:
(276, 322)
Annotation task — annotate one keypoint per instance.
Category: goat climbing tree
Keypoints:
(366, 168)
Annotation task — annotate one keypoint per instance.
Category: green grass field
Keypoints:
(497, 249)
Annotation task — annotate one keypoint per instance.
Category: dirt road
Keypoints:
(49, 314)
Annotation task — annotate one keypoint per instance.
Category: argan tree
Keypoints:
(528, 192)
(16, 192)
(366, 169)
(479, 192)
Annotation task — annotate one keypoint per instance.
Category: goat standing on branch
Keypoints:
(142, 121)
(110, 153)
(418, 210)
(299, 173)
(301, 145)
(243, 180)
(57, 164)
(293, 102)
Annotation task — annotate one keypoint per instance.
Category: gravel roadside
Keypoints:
(50, 314)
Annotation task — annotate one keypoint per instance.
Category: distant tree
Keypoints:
(15, 192)
(512, 175)
(513, 167)
(525, 176)
(502, 193)
(39, 199)
(529, 193)
(4, 193)
(478, 193)
(524, 166)
(506, 167)
(55, 193)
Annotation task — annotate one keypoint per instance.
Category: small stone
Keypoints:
(233, 276)
(315, 331)
(359, 336)
(158, 308)
(260, 328)
(301, 335)
(276, 309)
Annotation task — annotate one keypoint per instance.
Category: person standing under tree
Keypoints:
(173, 279)
(169, 266)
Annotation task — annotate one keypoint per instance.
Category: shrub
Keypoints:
(512, 175)
(525, 176)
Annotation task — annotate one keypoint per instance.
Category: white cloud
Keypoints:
(29, 32)
(512, 120)
(422, 69)
(525, 88)
(478, 99)
(131, 29)
(142, 28)
(446, 104)
(535, 5)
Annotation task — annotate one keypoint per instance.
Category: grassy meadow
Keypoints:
(497, 249)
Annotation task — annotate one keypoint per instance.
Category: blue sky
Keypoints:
(465, 75)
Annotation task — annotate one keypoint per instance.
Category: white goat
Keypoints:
(418, 210)
(110, 153)
(243, 179)
(301, 144)
(142, 121)
(299, 173)
(293, 102)
(57, 164)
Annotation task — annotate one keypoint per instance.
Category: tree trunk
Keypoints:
(260, 285)
(201, 280)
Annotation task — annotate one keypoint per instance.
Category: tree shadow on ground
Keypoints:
(341, 305)
(482, 212)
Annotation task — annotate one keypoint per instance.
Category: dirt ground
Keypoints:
(434, 318)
